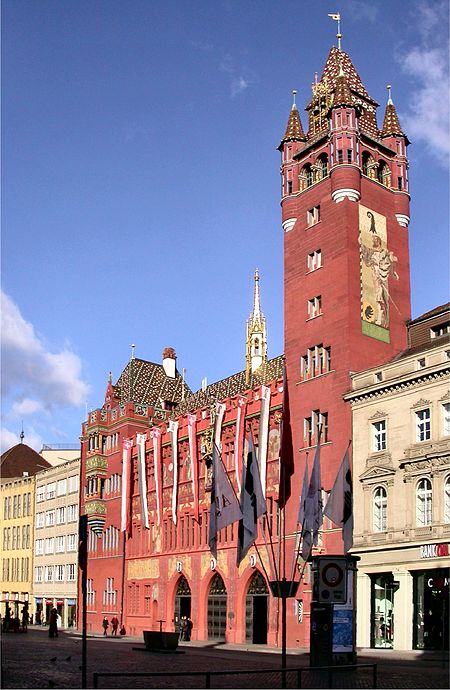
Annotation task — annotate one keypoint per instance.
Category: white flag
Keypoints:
(142, 478)
(173, 431)
(263, 435)
(339, 507)
(336, 17)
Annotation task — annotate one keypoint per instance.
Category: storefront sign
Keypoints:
(437, 582)
(433, 550)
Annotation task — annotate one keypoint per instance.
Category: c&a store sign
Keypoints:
(434, 550)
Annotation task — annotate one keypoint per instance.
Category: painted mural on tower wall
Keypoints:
(378, 266)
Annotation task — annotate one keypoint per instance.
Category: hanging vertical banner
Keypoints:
(263, 435)
(239, 439)
(156, 437)
(220, 411)
(126, 485)
(192, 427)
(173, 431)
(142, 478)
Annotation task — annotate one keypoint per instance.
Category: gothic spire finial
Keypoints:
(132, 351)
(22, 435)
(389, 87)
(294, 93)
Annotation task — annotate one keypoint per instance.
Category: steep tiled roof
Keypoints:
(294, 130)
(335, 60)
(146, 382)
(391, 124)
(269, 371)
(342, 94)
(19, 459)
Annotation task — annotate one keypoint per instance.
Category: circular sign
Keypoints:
(332, 575)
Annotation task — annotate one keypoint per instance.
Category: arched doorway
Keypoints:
(217, 609)
(182, 600)
(256, 609)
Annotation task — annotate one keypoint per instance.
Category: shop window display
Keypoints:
(383, 590)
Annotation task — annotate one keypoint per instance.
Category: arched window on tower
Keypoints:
(307, 175)
(384, 174)
(368, 165)
(379, 509)
(322, 164)
(424, 503)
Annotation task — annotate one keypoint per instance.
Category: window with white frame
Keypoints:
(313, 425)
(40, 520)
(39, 547)
(71, 572)
(40, 494)
(59, 573)
(424, 503)
(73, 484)
(50, 518)
(423, 424)
(50, 545)
(72, 513)
(38, 572)
(313, 216)
(61, 487)
(446, 419)
(447, 499)
(48, 573)
(315, 362)
(60, 543)
(109, 593)
(51, 490)
(314, 307)
(72, 542)
(379, 436)
(90, 592)
(379, 509)
(314, 260)
(60, 515)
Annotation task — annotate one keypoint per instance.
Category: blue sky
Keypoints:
(141, 179)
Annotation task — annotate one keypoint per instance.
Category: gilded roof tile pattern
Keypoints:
(146, 382)
(267, 372)
(391, 124)
(294, 130)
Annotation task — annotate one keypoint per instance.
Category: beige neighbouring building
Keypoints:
(55, 570)
(401, 486)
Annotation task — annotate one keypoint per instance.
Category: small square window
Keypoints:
(313, 216)
(289, 187)
(421, 363)
(378, 376)
(314, 260)
(349, 155)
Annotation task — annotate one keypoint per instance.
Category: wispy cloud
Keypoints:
(360, 10)
(427, 116)
(35, 381)
(240, 79)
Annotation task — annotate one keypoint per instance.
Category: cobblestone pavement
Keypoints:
(33, 660)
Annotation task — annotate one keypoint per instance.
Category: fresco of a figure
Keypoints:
(378, 267)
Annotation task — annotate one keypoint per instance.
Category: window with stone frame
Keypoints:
(423, 424)
(379, 437)
(447, 499)
(379, 509)
(424, 503)
(446, 419)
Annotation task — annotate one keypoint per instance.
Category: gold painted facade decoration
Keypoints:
(143, 569)
(96, 464)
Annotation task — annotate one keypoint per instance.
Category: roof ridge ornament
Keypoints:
(294, 105)
(390, 101)
(337, 18)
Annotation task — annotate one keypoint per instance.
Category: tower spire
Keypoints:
(391, 124)
(337, 18)
(256, 342)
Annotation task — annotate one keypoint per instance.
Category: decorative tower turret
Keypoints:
(345, 210)
(256, 340)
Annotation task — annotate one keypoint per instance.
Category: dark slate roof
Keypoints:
(147, 383)
(233, 385)
(442, 309)
(20, 459)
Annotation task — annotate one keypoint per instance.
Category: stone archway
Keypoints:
(182, 600)
(217, 609)
(256, 610)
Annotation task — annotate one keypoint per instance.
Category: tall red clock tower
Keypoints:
(345, 214)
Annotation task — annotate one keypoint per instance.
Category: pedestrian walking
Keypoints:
(189, 626)
(7, 619)
(25, 617)
(115, 625)
(183, 628)
(105, 625)
(53, 624)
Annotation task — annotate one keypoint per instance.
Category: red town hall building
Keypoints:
(345, 214)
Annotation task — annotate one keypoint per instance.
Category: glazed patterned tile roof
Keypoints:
(391, 124)
(19, 459)
(146, 382)
(342, 94)
(294, 130)
(267, 372)
(335, 60)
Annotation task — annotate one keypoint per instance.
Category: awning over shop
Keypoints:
(60, 602)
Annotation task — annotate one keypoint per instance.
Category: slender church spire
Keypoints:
(391, 124)
(256, 341)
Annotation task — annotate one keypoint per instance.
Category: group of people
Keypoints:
(185, 628)
(13, 623)
(114, 626)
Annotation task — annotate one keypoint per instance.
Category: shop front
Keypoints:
(431, 614)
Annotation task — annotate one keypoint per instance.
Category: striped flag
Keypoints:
(126, 486)
(263, 435)
(192, 427)
(224, 504)
(142, 478)
(156, 438)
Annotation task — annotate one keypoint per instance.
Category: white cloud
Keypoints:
(240, 79)
(27, 406)
(30, 371)
(427, 117)
(10, 438)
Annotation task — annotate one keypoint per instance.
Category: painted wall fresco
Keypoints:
(378, 266)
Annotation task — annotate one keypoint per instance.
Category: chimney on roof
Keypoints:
(169, 362)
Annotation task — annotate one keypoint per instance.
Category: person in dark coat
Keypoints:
(105, 626)
(25, 617)
(53, 624)
(189, 626)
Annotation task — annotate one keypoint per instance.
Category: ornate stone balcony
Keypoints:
(96, 465)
